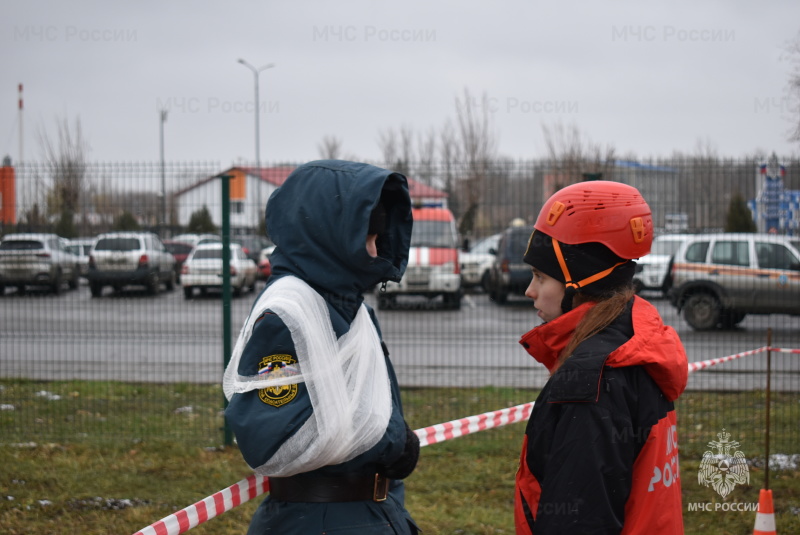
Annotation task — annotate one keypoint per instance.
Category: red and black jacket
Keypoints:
(600, 453)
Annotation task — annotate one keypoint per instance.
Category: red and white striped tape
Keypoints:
(694, 366)
(779, 350)
(472, 424)
(253, 486)
(207, 508)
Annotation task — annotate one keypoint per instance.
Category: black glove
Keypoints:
(405, 464)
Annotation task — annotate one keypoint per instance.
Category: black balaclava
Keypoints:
(377, 220)
(583, 260)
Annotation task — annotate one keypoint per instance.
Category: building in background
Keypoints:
(658, 184)
(247, 185)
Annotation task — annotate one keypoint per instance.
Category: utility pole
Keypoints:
(21, 154)
(257, 109)
(163, 115)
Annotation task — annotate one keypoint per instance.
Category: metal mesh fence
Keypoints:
(77, 367)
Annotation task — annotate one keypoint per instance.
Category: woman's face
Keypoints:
(547, 294)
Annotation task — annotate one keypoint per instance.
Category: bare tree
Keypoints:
(449, 155)
(34, 220)
(466, 147)
(387, 143)
(397, 148)
(478, 146)
(330, 148)
(573, 156)
(66, 159)
(424, 171)
(406, 138)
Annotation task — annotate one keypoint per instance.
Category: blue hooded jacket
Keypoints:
(318, 220)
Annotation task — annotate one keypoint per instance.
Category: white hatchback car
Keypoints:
(477, 262)
(81, 247)
(652, 269)
(203, 270)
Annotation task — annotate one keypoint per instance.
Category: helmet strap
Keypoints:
(573, 287)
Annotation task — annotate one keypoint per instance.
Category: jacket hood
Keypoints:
(654, 346)
(318, 220)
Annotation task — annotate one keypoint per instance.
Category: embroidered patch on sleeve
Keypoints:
(276, 367)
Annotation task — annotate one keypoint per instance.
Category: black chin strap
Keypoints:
(569, 293)
(573, 288)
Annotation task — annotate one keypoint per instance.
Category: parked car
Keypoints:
(203, 270)
(81, 247)
(509, 274)
(717, 279)
(180, 250)
(119, 259)
(264, 267)
(197, 239)
(37, 260)
(652, 270)
(477, 262)
(252, 244)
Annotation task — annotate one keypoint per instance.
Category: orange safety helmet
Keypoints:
(602, 211)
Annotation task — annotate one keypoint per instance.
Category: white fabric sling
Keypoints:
(347, 380)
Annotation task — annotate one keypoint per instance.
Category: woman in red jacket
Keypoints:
(600, 453)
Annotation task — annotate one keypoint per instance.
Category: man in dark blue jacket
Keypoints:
(314, 401)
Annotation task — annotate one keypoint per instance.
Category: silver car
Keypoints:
(717, 279)
(81, 247)
(203, 270)
(119, 259)
(197, 239)
(37, 260)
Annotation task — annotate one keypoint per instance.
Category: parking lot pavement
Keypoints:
(164, 338)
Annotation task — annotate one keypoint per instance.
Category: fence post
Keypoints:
(226, 292)
(769, 378)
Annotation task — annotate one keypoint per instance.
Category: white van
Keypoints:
(433, 264)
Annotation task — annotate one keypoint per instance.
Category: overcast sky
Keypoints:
(645, 80)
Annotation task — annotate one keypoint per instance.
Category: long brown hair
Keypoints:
(600, 316)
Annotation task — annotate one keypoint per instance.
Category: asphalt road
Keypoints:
(135, 337)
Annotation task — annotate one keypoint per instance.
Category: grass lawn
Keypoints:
(79, 468)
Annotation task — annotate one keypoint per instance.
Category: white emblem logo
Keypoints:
(725, 469)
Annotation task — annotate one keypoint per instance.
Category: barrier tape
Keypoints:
(254, 486)
(694, 366)
(472, 424)
(207, 508)
(779, 350)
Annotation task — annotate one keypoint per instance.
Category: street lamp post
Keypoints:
(163, 175)
(257, 109)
